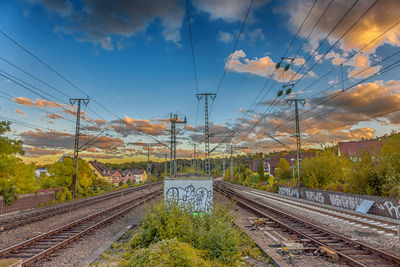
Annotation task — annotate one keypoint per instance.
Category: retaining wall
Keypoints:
(27, 201)
(383, 206)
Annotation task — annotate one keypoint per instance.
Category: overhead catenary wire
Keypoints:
(331, 47)
(251, 109)
(191, 45)
(63, 78)
(231, 54)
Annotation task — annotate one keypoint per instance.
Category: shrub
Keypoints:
(254, 178)
(63, 194)
(9, 193)
(213, 233)
(168, 252)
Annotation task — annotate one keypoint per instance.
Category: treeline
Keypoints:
(17, 177)
(372, 173)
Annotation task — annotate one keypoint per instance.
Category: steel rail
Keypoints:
(311, 232)
(331, 212)
(17, 220)
(32, 250)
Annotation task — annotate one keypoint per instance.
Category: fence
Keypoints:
(27, 201)
(383, 206)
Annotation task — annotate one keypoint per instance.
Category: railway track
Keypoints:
(39, 247)
(349, 251)
(376, 224)
(16, 220)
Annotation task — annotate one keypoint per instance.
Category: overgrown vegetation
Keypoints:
(176, 237)
(16, 177)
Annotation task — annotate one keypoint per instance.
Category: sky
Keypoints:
(133, 60)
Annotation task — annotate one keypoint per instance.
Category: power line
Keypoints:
(191, 45)
(34, 77)
(251, 109)
(386, 69)
(233, 50)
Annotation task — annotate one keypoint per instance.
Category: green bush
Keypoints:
(168, 252)
(63, 194)
(214, 233)
(254, 178)
(9, 193)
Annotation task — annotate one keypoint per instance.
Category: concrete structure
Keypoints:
(189, 190)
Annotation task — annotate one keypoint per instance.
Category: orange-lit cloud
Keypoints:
(54, 116)
(260, 66)
(20, 112)
(133, 125)
(380, 18)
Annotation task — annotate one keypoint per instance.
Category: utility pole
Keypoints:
(223, 168)
(298, 137)
(148, 167)
(195, 159)
(231, 163)
(206, 130)
(235, 148)
(174, 120)
(72, 101)
(165, 165)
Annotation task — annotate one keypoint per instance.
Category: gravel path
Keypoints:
(24, 232)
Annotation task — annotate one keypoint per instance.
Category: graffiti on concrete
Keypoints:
(315, 196)
(288, 191)
(393, 210)
(346, 202)
(199, 199)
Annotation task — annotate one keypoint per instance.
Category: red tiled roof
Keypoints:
(355, 148)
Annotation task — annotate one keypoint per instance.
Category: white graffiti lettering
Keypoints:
(288, 191)
(346, 202)
(315, 196)
(393, 210)
(197, 200)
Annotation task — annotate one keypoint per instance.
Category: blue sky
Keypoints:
(135, 59)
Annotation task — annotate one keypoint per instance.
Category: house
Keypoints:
(39, 171)
(116, 177)
(100, 170)
(140, 176)
(291, 158)
(354, 149)
(127, 175)
(256, 162)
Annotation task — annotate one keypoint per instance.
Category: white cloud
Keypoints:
(225, 37)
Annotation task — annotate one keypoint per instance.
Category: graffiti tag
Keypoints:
(198, 200)
(288, 191)
(346, 202)
(393, 210)
(315, 196)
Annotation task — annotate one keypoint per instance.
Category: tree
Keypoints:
(365, 177)
(388, 161)
(325, 170)
(61, 173)
(283, 169)
(16, 177)
(261, 172)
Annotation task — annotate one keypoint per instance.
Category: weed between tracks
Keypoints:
(175, 237)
